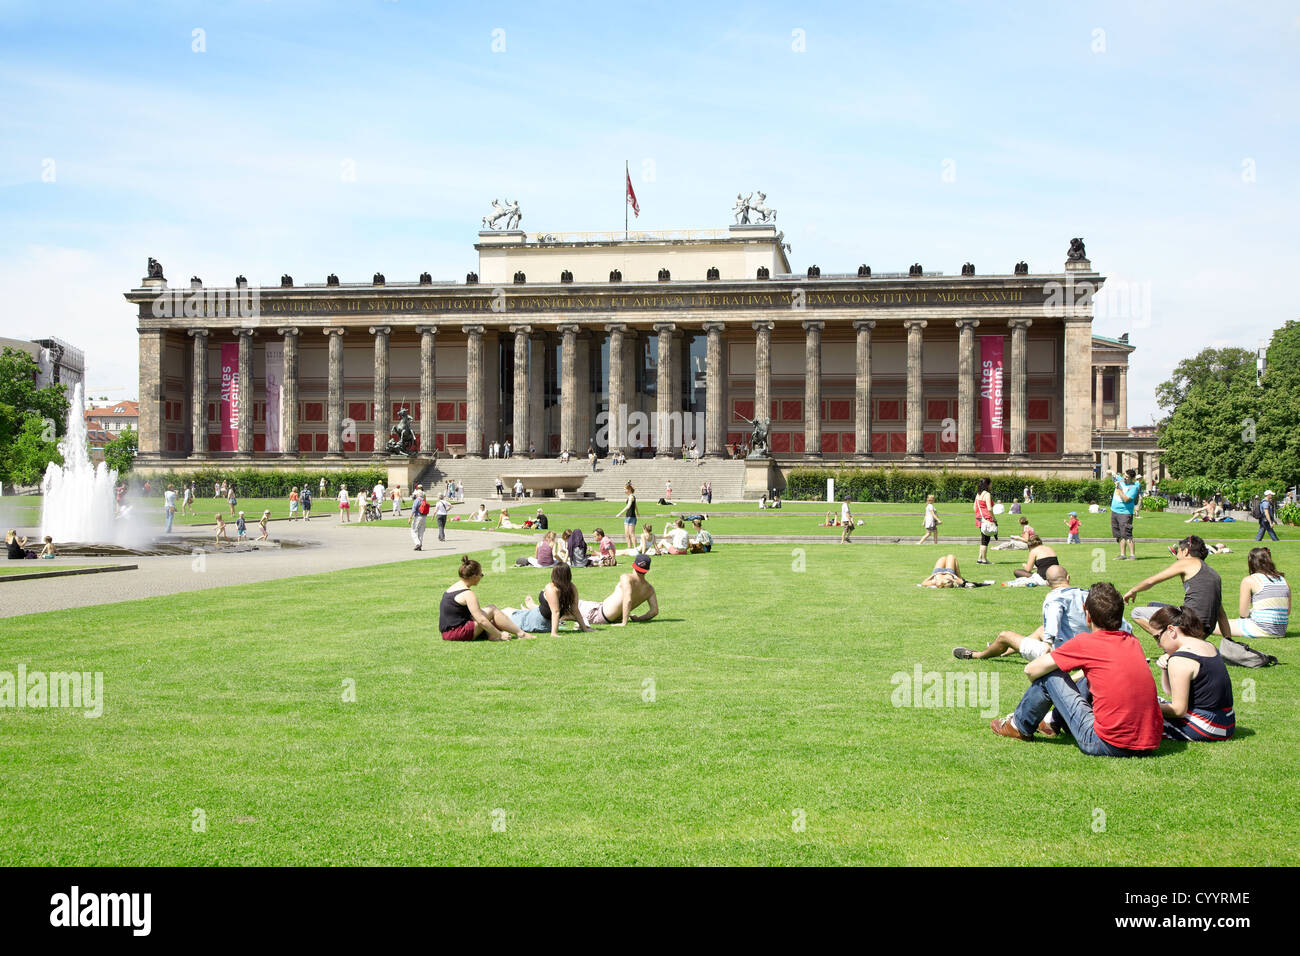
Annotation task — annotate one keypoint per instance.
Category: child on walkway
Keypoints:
(931, 521)
(1072, 526)
(266, 516)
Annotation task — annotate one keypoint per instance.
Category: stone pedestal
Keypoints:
(403, 472)
(761, 475)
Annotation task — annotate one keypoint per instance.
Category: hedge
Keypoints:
(890, 484)
(259, 484)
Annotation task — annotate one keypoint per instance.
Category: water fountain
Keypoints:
(78, 496)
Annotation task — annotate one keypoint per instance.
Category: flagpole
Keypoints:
(627, 176)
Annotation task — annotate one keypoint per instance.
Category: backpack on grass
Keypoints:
(1243, 655)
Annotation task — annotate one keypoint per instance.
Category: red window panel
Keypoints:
(304, 442)
(839, 411)
(357, 411)
(214, 443)
(740, 409)
(1039, 409)
(438, 442)
(848, 442)
(889, 410)
(929, 441)
(791, 411)
(821, 410)
(830, 442)
(1031, 442)
(462, 415)
(796, 443)
(313, 411)
(368, 441)
(772, 415)
(936, 409)
(781, 442)
(555, 444)
(259, 443)
(737, 438)
(212, 411)
(458, 438)
(1047, 443)
(947, 445)
(171, 441)
(879, 442)
(446, 411)
(898, 442)
(322, 442)
(397, 408)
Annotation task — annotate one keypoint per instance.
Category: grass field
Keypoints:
(761, 697)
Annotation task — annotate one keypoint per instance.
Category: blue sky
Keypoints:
(1168, 140)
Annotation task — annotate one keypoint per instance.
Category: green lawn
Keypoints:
(771, 704)
(23, 567)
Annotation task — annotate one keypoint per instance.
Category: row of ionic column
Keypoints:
(526, 388)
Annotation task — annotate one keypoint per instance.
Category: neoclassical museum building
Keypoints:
(640, 342)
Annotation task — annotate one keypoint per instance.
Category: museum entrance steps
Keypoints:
(648, 476)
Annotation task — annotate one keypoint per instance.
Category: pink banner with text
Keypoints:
(229, 396)
(993, 432)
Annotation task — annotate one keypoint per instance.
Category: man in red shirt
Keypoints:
(1117, 714)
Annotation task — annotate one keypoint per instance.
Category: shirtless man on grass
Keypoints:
(632, 591)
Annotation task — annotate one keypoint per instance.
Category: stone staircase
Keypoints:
(647, 476)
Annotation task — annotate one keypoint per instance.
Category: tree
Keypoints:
(27, 455)
(1210, 365)
(120, 451)
(1212, 429)
(30, 415)
(1276, 451)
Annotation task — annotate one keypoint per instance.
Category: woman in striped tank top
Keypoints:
(1265, 605)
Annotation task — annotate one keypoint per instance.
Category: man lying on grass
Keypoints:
(632, 591)
(1118, 714)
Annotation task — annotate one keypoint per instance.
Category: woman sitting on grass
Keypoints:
(1265, 600)
(647, 543)
(1192, 673)
(562, 547)
(555, 602)
(503, 521)
(544, 557)
(462, 618)
(946, 574)
(1041, 557)
(576, 545)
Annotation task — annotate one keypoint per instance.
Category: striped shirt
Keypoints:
(1269, 605)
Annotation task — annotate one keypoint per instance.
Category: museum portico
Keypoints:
(561, 341)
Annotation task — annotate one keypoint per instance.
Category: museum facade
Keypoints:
(640, 343)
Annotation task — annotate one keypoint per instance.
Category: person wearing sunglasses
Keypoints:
(1194, 676)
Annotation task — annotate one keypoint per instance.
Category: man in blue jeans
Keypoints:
(1267, 517)
(1118, 715)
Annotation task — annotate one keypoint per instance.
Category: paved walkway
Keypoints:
(335, 547)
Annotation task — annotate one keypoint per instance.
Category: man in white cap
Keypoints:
(1267, 517)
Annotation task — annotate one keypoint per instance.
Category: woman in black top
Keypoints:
(555, 602)
(1041, 557)
(1202, 588)
(462, 618)
(1195, 678)
(629, 516)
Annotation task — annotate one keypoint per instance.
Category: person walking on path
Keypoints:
(846, 520)
(440, 514)
(293, 503)
(306, 502)
(345, 505)
(418, 520)
(930, 522)
(397, 502)
(1267, 517)
(984, 520)
(169, 506)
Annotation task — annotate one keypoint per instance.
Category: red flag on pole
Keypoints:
(631, 197)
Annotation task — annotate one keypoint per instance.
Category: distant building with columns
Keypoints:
(565, 341)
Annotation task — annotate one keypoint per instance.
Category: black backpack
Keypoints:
(1254, 509)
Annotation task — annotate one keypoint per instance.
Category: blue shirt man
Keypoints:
(1122, 505)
